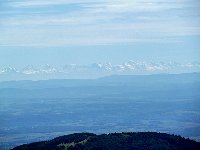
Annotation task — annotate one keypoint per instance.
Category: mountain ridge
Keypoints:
(117, 79)
(94, 70)
(114, 141)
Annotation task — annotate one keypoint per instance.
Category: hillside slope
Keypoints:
(114, 141)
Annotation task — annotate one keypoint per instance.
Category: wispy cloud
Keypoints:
(65, 22)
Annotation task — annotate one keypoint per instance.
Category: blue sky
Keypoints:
(85, 31)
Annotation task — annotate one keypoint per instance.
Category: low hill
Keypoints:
(114, 141)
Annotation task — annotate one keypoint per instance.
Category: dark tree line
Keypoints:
(115, 141)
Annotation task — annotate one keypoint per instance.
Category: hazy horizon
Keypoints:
(39, 32)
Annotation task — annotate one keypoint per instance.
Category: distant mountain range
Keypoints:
(112, 80)
(114, 141)
(129, 66)
(94, 70)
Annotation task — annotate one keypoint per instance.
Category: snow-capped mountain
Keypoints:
(8, 70)
(130, 67)
(30, 70)
(47, 69)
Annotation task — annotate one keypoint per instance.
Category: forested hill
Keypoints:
(115, 141)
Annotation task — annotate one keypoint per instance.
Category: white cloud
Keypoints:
(99, 22)
(41, 3)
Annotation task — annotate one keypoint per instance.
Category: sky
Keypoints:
(36, 32)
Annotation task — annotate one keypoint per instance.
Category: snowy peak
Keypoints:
(8, 70)
(48, 69)
(130, 67)
(30, 70)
